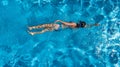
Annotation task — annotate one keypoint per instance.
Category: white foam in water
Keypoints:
(4, 2)
(47, 0)
(79, 50)
(117, 35)
(63, 8)
(33, 60)
(35, 44)
(114, 12)
(116, 65)
(113, 19)
(107, 38)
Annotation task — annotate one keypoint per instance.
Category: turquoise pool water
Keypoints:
(84, 47)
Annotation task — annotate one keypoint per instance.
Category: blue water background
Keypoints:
(84, 47)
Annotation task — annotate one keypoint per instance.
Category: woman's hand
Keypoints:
(96, 24)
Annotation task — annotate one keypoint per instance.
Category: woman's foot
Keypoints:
(30, 28)
(32, 33)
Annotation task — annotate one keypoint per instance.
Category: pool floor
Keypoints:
(98, 46)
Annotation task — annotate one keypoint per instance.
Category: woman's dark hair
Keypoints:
(81, 24)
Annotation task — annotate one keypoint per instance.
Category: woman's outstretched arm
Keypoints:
(91, 25)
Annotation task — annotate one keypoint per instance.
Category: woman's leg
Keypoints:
(33, 33)
(44, 30)
(41, 26)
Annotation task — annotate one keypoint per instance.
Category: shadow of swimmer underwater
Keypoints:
(59, 25)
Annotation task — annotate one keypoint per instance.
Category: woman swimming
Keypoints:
(59, 26)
